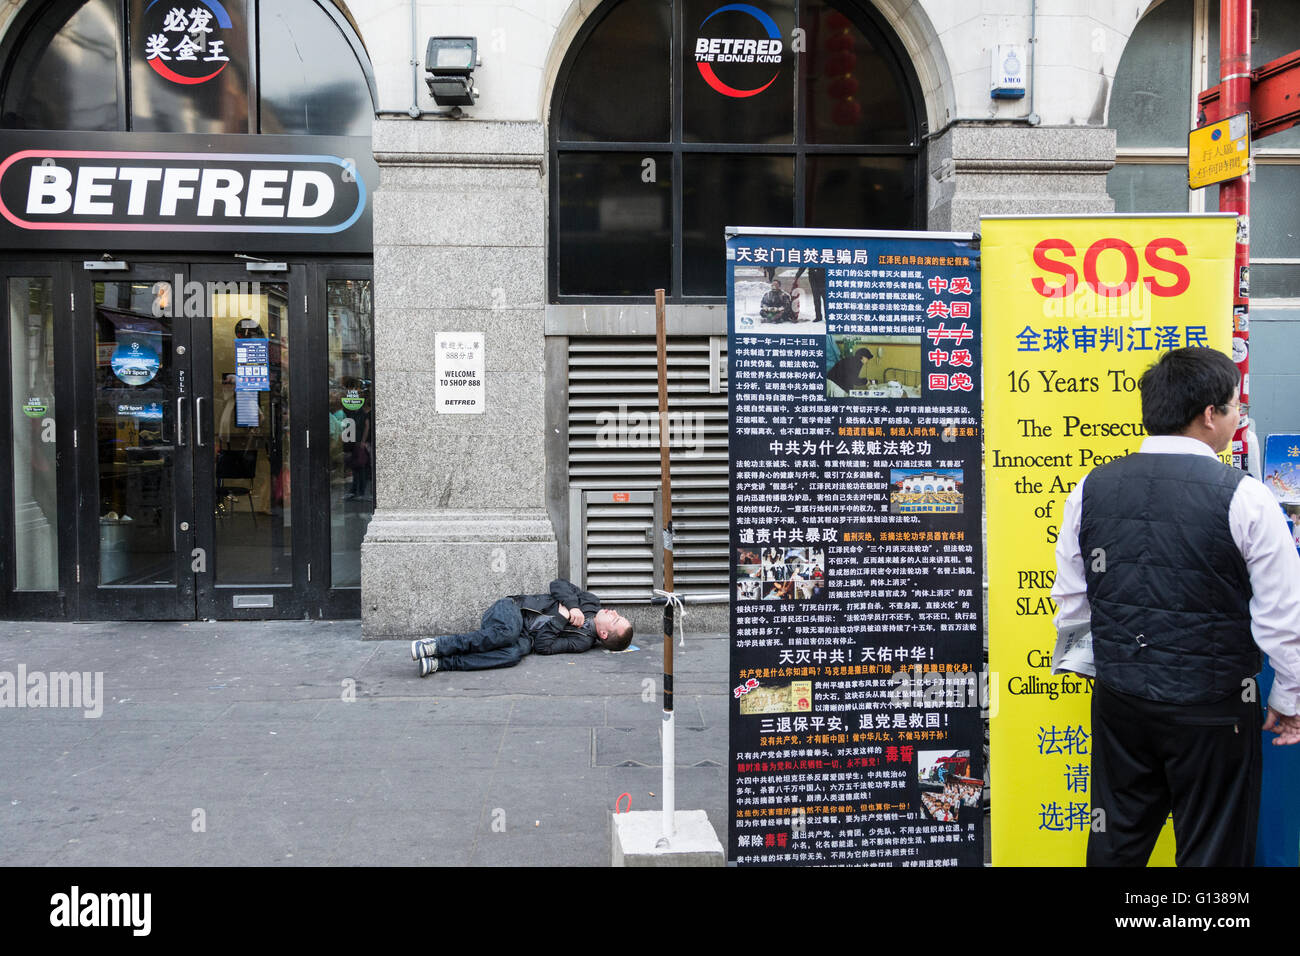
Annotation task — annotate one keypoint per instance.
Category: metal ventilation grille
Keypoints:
(613, 396)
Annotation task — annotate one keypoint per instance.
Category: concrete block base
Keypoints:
(436, 572)
(694, 844)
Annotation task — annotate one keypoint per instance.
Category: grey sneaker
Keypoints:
(428, 665)
(424, 648)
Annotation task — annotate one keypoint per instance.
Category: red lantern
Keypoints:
(847, 113)
(843, 87)
(840, 64)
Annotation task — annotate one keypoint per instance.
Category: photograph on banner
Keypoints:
(877, 366)
(946, 784)
(857, 559)
(793, 299)
(1076, 309)
(919, 490)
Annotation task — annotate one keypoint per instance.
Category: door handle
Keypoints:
(198, 422)
(180, 422)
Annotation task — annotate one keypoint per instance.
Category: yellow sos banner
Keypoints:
(1075, 310)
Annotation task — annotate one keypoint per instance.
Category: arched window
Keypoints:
(153, 65)
(672, 119)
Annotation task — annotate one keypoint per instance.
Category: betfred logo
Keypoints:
(186, 46)
(125, 191)
(743, 50)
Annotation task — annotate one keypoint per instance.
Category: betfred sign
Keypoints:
(125, 192)
(764, 48)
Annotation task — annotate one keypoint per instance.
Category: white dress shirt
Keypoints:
(1260, 533)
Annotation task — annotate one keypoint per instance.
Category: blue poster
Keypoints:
(1282, 467)
(252, 365)
(135, 359)
(1279, 813)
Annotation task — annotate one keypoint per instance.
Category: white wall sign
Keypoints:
(1008, 80)
(458, 367)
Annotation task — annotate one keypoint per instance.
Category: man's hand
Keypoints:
(1286, 728)
(572, 614)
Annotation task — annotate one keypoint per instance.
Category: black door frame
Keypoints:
(78, 596)
(61, 602)
(343, 602)
(133, 602)
(295, 599)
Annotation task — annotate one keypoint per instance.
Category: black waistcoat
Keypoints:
(1169, 591)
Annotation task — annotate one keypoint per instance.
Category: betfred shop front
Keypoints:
(188, 345)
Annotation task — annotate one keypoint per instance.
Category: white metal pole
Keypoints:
(670, 781)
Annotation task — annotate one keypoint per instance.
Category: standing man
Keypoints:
(566, 620)
(1185, 570)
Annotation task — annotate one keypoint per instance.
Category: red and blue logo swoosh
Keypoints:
(706, 69)
(167, 73)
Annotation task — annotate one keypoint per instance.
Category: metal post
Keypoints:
(1234, 195)
(665, 469)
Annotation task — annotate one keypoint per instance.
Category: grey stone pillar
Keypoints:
(460, 246)
(981, 170)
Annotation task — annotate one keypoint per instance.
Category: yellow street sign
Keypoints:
(1219, 152)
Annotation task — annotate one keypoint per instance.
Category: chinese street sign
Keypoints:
(1219, 152)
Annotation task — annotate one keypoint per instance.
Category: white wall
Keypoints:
(522, 43)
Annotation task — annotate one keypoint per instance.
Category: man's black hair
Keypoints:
(1177, 388)
(620, 642)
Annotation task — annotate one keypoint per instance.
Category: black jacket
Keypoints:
(551, 633)
(1168, 588)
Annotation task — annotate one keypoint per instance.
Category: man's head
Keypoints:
(776, 285)
(612, 629)
(1192, 392)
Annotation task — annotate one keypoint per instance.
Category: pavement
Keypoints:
(297, 743)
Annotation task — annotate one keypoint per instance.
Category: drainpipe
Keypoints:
(1033, 119)
(415, 111)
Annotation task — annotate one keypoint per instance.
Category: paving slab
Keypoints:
(304, 745)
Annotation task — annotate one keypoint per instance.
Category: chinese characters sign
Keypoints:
(1076, 310)
(854, 364)
(189, 66)
(459, 383)
(187, 45)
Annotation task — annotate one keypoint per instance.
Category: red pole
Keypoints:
(1234, 195)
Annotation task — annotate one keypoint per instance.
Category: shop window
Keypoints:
(150, 66)
(1154, 105)
(671, 121)
(63, 75)
(311, 78)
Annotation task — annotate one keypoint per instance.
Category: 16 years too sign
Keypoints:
(1075, 311)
